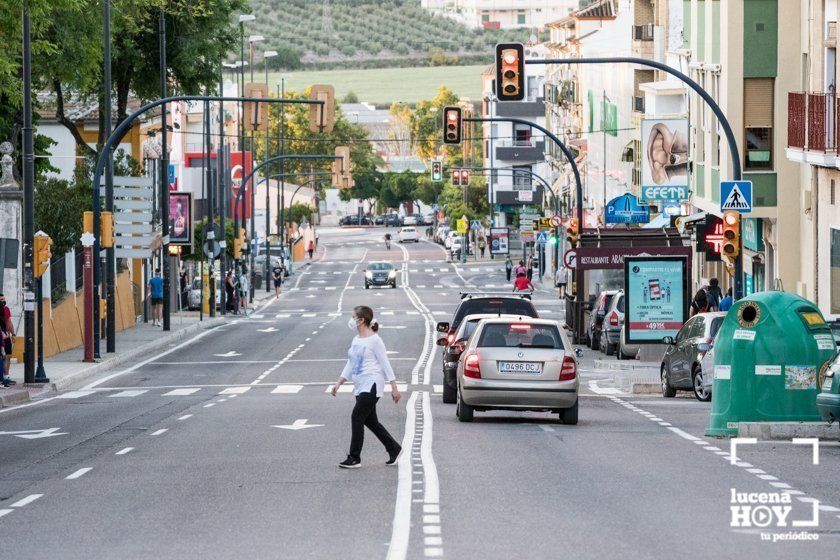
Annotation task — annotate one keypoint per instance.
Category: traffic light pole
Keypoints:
(28, 209)
(724, 124)
(110, 255)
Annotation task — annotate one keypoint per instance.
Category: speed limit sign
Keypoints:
(570, 258)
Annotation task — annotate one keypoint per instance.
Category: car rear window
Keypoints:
(620, 304)
(408, 230)
(501, 306)
(520, 335)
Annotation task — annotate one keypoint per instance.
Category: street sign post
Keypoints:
(570, 259)
(463, 225)
(736, 196)
(556, 221)
(542, 238)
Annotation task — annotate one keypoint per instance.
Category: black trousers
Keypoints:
(364, 414)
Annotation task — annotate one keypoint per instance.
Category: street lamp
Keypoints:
(266, 56)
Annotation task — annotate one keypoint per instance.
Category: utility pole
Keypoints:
(281, 226)
(222, 177)
(110, 257)
(28, 208)
(164, 174)
(208, 180)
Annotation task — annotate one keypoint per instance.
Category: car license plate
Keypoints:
(520, 367)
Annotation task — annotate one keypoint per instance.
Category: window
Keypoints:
(835, 271)
(520, 17)
(520, 335)
(521, 135)
(698, 329)
(532, 88)
(522, 179)
(485, 17)
(714, 126)
(758, 123)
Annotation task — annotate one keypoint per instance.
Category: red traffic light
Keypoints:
(510, 71)
(451, 125)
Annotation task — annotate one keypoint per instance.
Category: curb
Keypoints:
(788, 430)
(74, 379)
(627, 365)
(11, 397)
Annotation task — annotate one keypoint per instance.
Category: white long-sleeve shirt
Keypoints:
(367, 363)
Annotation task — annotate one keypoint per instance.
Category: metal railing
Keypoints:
(813, 121)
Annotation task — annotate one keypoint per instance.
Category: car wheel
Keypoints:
(593, 341)
(464, 411)
(619, 352)
(367, 286)
(394, 285)
(667, 390)
(450, 394)
(697, 383)
(570, 415)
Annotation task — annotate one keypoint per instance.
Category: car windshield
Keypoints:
(520, 335)
(500, 306)
(380, 266)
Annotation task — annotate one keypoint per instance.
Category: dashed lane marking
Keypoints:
(181, 392)
(79, 473)
(26, 501)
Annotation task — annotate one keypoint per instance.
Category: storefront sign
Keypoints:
(625, 209)
(656, 192)
(656, 297)
(604, 258)
(751, 234)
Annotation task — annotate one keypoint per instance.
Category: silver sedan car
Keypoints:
(518, 363)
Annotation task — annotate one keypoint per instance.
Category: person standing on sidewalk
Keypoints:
(508, 267)
(156, 292)
(243, 289)
(367, 367)
(9, 336)
(311, 248)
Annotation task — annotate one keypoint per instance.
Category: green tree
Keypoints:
(350, 97)
(298, 211)
(59, 206)
(426, 126)
(452, 200)
(368, 186)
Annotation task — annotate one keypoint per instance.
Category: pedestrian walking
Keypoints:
(700, 303)
(560, 279)
(9, 336)
(714, 294)
(243, 290)
(508, 267)
(482, 245)
(5, 343)
(277, 276)
(311, 248)
(230, 292)
(368, 368)
(523, 284)
(726, 303)
(529, 269)
(155, 289)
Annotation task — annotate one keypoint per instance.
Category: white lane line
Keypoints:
(234, 390)
(127, 394)
(79, 473)
(5, 512)
(430, 475)
(124, 451)
(26, 501)
(683, 434)
(185, 416)
(75, 394)
(161, 431)
(208, 405)
(287, 389)
(181, 392)
(401, 528)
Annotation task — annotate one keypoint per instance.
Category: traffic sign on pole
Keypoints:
(570, 258)
(556, 220)
(542, 238)
(736, 196)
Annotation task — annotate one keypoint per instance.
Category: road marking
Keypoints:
(131, 393)
(208, 405)
(79, 473)
(75, 394)
(185, 416)
(5, 512)
(26, 501)
(299, 424)
(35, 434)
(124, 451)
(230, 354)
(287, 389)
(683, 434)
(401, 526)
(160, 431)
(181, 392)
(234, 390)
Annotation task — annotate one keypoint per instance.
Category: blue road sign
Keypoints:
(475, 225)
(542, 237)
(625, 209)
(736, 196)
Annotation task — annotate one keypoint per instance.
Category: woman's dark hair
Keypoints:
(713, 282)
(700, 296)
(365, 313)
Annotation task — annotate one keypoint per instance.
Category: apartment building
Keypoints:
(502, 14)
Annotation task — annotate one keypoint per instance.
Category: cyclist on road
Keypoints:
(388, 241)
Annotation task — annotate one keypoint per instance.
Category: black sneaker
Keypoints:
(392, 457)
(350, 463)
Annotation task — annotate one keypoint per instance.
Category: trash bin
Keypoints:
(769, 353)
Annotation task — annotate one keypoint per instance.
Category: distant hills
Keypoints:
(323, 34)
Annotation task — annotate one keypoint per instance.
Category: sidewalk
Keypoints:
(67, 370)
(632, 375)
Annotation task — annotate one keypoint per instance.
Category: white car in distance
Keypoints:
(408, 234)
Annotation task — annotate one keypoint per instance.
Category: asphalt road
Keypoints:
(227, 447)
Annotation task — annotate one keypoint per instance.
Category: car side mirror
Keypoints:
(669, 340)
(704, 347)
(578, 353)
(442, 327)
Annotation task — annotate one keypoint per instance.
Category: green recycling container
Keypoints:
(769, 353)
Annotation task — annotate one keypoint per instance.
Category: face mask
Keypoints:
(351, 324)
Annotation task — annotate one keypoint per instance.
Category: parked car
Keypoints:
(379, 220)
(380, 274)
(681, 365)
(828, 399)
(611, 326)
(428, 219)
(707, 365)
(441, 233)
(408, 234)
(393, 220)
(596, 317)
(194, 294)
(451, 235)
(453, 346)
(410, 220)
(625, 350)
(513, 363)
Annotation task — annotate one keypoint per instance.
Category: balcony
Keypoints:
(813, 128)
(519, 151)
(521, 109)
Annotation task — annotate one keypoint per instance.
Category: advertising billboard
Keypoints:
(499, 241)
(180, 218)
(239, 167)
(625, 209)
(664, 159)
(657, 299)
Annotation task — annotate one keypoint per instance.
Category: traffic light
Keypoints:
(322, 116)
(465, 177)
(107, 224)
(41, 254)
(451, 125)
(239, 244)
(731, 234)
(437, 171)
(552, 240)
(573, 232)
(510, 71)
(456, 177)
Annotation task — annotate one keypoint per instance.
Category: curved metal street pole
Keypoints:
(106, 151)
(724, 124)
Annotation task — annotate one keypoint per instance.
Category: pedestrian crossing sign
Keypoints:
(542, 237)
(736, 196)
